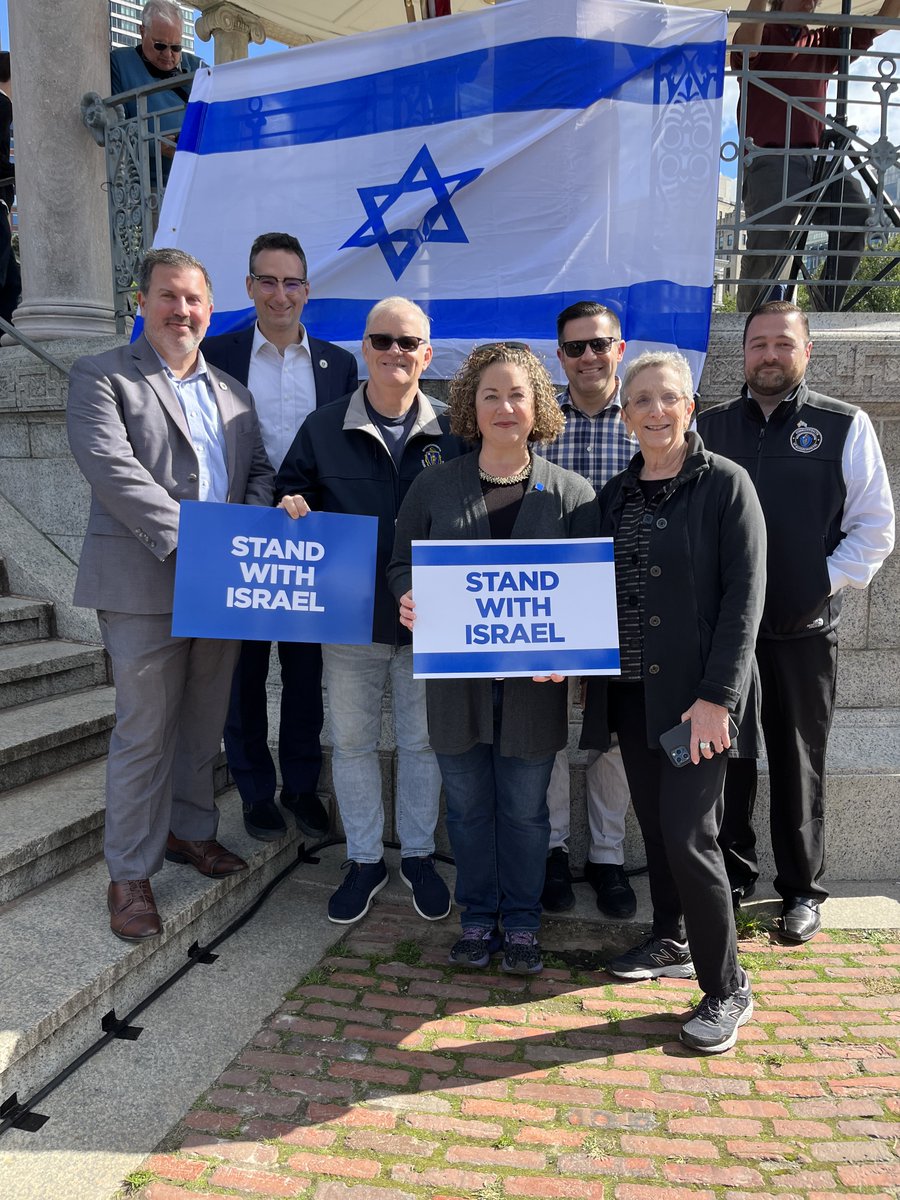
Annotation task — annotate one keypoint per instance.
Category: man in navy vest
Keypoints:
(825, 493)
(290, 374)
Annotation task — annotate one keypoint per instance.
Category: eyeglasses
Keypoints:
(667, 400)
(601, 345)
(384, 341)
(506, 345)
(160, 46)
(269, 284)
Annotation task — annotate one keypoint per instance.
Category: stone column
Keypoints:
(232, 30)
(60, 50)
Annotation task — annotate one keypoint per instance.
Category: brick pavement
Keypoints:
(389, 1075)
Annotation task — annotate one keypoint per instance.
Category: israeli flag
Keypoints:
(494, 167)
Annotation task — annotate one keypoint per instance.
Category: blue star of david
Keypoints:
(440, 223)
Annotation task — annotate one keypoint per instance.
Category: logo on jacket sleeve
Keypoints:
(432, 456)
(805, 438)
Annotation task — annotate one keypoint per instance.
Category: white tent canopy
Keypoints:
(296, 22)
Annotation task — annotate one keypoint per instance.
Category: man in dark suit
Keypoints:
(290, 374)
(150, 425)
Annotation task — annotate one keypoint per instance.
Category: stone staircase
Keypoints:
(61, 970)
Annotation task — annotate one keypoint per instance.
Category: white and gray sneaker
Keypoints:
(654, 959)
(715, 1024)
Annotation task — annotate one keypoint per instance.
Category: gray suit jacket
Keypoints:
(130, 437)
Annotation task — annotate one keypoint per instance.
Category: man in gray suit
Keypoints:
(150, 425)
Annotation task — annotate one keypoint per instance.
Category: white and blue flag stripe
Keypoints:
(494, 167)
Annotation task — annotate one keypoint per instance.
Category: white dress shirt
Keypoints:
(868, 520)
(284, 391)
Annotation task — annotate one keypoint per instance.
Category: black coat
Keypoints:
(706, 583)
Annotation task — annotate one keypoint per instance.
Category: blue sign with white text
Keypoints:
(254, 574)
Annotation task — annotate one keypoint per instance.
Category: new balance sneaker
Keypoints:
(521, 953)
(431, 899)
(715, 1024)
(615, 895)
(557, 895)
(654, 959)
(475, 947)
(353, 898)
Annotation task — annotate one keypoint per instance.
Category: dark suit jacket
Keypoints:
(130, 437)
(334, 368)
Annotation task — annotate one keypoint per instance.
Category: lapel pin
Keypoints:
(223, 386)
(323, 363)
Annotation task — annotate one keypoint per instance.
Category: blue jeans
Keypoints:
(355, 677)
(499, 829)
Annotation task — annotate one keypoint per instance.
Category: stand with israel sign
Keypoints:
(514, 608)
(494, 167)
(255, 574)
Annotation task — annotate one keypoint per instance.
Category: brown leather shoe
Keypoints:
(208, 857)
(132, 910)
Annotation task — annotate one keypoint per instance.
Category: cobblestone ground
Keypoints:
(389, 1075)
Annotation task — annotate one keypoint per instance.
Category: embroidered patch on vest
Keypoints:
(805, 439)
(432, 456)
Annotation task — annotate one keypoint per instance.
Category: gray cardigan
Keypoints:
(446, 503)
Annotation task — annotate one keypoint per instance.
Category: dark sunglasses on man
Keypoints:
(384, 341)
(159, 47)
(599, 345)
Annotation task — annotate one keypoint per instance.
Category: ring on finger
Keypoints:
(705, 745)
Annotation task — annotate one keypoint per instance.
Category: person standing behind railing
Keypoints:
(776, 181)
(159, 56)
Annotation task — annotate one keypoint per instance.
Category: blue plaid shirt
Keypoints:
(596, 447)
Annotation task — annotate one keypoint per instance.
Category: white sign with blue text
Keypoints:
(254, 574)
(514, 608)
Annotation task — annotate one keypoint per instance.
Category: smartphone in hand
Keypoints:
(676, 742)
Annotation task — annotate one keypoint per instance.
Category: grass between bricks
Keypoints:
(766, 1056)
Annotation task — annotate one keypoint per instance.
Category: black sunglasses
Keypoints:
(160, 46)
(601, 345)
(384, 341)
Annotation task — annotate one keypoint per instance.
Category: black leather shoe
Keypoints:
(800, 919)
(264, 822)
(308, 811)
(615, 895)
(557, 895)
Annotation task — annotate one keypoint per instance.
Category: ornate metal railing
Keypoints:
(801, 236)
(139, 141)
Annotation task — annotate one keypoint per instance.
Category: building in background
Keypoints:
(726, 263)
(125, 20)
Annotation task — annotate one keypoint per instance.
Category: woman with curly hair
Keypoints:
(495, 740)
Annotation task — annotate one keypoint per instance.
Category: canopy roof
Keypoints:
(296, 22)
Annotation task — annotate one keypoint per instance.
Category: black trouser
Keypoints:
(247, 727)
(679, 810)
(798, 678)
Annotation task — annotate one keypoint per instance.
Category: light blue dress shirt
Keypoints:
(198, 401)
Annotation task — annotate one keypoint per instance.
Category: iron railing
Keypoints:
(859, 143)
(815, 239)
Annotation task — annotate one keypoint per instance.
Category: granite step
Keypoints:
(49, 735)
(36, 670)
(24, 620)
(53, 1001)
(54, 824)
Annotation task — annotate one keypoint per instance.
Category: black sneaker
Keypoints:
(308, 811)
(615, 895)
(655, 958)
(521, 953)
(475, 947)
(557, 895)
(263, 821)
(715, 1024)
(354, 897)
(431, 899)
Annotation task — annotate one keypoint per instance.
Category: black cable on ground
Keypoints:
(16, 1114)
